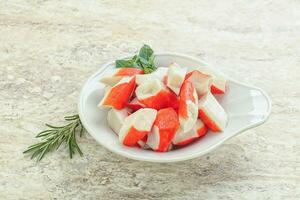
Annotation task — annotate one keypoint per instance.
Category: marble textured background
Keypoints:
(48, 48)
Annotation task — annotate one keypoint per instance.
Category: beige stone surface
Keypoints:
(48, 48)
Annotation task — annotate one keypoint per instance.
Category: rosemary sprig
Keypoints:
(53, 137)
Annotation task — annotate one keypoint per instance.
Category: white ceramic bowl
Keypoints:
(247, 107)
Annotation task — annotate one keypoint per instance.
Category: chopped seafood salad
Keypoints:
(166, 109)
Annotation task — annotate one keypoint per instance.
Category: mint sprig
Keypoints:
(143, 60)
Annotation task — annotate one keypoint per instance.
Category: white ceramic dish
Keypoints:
(247, 107)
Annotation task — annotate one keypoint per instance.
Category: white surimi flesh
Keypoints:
(141, 120)
(153, 138)
(149, 88)
(213, 111)
(116, 118)
(201, 82)
(159, 74)
(107, 89)
(175, 77)
(192, 108)
(110, 79)
(182, 136)
(218, 80)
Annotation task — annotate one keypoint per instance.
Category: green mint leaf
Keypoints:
(125, 63)
(143, 61)
(145, 52)
(135, 58)
(148, 70)
(151, 62)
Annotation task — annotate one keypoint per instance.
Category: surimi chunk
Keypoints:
(184, 138)
(154, 94)
(118, 74)
(164, 129)
(116, 118)
(175, 77)
(201, 82)
(212, 113)
(159, 74)
(218, 85)
(142, 143)
(134, 104)
(118, 96)
(136, 126)
(188, 106)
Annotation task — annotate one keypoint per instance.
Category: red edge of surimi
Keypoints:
(216, 90)
(165, 142)
(128, 72)
(133, 136)
(186, 93)
(164, 145)
(201, 132)
(163, 131)
(136, 126)
(162, 99)
(208, 122)
(167, 123)
(119, 95)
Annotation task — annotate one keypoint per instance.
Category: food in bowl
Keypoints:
(162, 108)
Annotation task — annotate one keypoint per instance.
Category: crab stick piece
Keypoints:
(136, 126)
(188, 106)
(201, 82)
(173, 100)
(175, 77)
(159, 74)
(184, 138)
(142, 143)
(212, 113)
(118, 96)
(164, 129)
(134, 104)
(218, 85)
(154, 94)
(116, 118)
(118, 74)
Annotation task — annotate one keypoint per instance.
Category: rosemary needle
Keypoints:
(53, 137)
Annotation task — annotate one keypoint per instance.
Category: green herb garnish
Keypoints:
(55, 136)
(143, 60)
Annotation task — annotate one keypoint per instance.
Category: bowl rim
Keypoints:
(189, 156)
